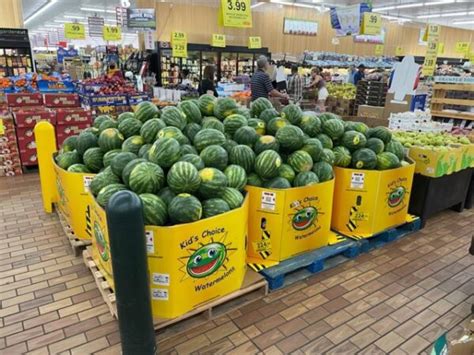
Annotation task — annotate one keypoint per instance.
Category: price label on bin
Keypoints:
(74, 31)
(236, 13)
(112, 33)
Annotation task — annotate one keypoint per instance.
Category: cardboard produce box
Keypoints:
(24, 99)
(30, 116)
(68, 116)
(61, 100)
(371, 112)
(409, 103)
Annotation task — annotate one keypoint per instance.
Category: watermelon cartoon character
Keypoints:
(206, 260)
(101, 242)
(396, 196)
(304, 218)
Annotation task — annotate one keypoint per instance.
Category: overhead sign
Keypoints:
(347, 20)
(74, 31)
(379, 49)
(255, 42)
(429, 64)
(432, 33)
(293, 26)
(236, 13)
(462, 47)
(112, 33)
(218, 40)
(95, 26)
(371, 23)
(179, 44)
(398, 50)
(144, 19)
(440, 48)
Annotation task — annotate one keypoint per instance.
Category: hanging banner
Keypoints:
(218, 40)
(144, 19)
(236, 13)
(112, 33)
(255, 42)
(371, 23)
(95, 26)
(398, 50)
(347, 20)
(148, 39)
(462, 47)
(74, 31)
(179, 44)
(379, 49)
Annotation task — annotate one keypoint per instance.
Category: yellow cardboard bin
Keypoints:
(73, 200)
(367, 202)
(467, 157)
(188, 264)
(435, 163)
(283, 223)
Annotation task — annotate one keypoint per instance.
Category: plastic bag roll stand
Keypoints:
(130, 268)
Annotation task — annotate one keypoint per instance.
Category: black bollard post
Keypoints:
(130, 269)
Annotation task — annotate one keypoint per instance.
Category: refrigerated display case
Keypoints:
(245, 64)
(15, 52)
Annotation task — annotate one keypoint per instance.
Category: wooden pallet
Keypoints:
(77, 245)
(253, 288)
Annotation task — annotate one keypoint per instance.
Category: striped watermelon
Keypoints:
(364, 159)
(191, 111)
(305, 178)
(328, 156)
(155, 210)
(118, 163)
(325, 140)
(173, 132)
(143, 152)
(233, 197)
(164, 152)
(206, 104)
(266, 143)
(287, 172)
(92, 130)
(254, 180)
(191, 130)
(236, 176)
(207, 137)
(213, 207)
(146, 177)
(382, 133)
(342, 156)
(244, 156)
(150, 129)
(396, 148)
(277, 183)
(110, 139)
(93, 159)
(166, 194)
(233, 122)
(212, 122)
(124, 116)
(224, 107)
(194, 159)
(229, 144)
(275, 124)
(100, 119)
(310, 123)
(85, 140)
(314, 148)
(183, 177)
(108, 124)
(145, 111)
(66, 159)
(107, 192)
(102, 179)
(174, 117)
(188, 149)
(353, 140)
(246, 135)
(300, 161)
(258, 106)
(132, 144)
(375, 144)
(214, 156)
(290, 137)
(184, 208)
(267, 164)
(130, 127)
(258, 125)
(387, 160)
(78, 168)
(213, 182)
(244, 111)
(69, 143)
(268, 114)
(292, 113)
(323, 170)
(128, 169)
(334, 128)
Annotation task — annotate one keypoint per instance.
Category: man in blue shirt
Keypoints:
(261, 84)
(360, 74)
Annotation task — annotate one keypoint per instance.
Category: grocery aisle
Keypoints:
(401, 296)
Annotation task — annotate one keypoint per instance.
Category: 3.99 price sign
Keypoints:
(179, 44)
(236, 13)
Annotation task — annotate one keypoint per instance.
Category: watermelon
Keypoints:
(69, 143)
(246, 135)
(130, 127)
(323, 170)
(100, 119)
(128, 169)
(325, 140)
(396, 148)
(257, 125)
(334, 128)
(290, 137)
(214, 156)
(146, 177)
(382, 133)
(164, 152)
(300, 161)
(305, 178)
(143, 152)
(375, 144)
(244, 156)
(132, 144)
(275, 124)
(229, 144)
(118, 162)
(233, 122)
(107, 124)
(191, 111)
(78, 168)
(314, 148)
(86, 140)
(110, 139)
(267, 164)
(292, 113)
(102, 179)
(106, 193)
(328, 156)
(191, 129)
(155, 210)
(183, 177)
(277, 183)
(310, 123)
(342, 156)
(287, 172)
(243, 111)
(233, 197)
(387, 160)
(254, 180)
(166, 194)
(194, 159)
(258, 106)
(93, 159)
(206, 104)
(224, 107)
(146, 111)
(172, 132)
(326, 116)
(213, 207)
(124, 116)
(188, 149)
(266, 143)
(150, 129)
(174, 117)
(93, 130)
(236, 176)
(353, 140)
(212, 122)
(184, 208)
(66, 159)
(361, 127)
(268, 114)
(213, 182)
(364, 159)
(207, 137)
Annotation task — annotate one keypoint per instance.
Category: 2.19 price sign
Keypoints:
(236, 13)
(179, 44)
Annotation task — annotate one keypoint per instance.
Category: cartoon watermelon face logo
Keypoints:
(396, 196)
(101, 242)
(304, 218)
(206, 260)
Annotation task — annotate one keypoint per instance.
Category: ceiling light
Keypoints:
(463, 22)
(97, 10)
(256, 5)
(429, 16)
(406, 6)
(439, 2)
(74, 17)
(395, 18)
(452, 14)
(377, 9)
(62, 21)
(40, 11)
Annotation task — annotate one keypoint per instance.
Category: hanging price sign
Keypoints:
(236, 13)
(462, 47)
(218, 40)
(429, 66)
(112, 33)
(74, 31)
(179, 44)
(399, 50)
(471, 57)
(440, 48)
(379, 49)
(371, 24)
(432, 33)
(255, 42)
(432, 49)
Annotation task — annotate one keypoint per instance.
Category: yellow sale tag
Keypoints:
(432, 33)
(440, 48)
(255, 42)
(399, 50)
(2, 128)
(371, 23)
(462, 47)
(112, 33)
(429, 65)
(179, 44)
(74, 31)
(471, 57)
(218, 40)
(236, 13)
(379, 49)
(432, 49)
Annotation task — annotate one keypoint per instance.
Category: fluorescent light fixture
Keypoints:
(429, 16)
(296, 4)
(439, 2)
(395, 18)
(256, 5)
(377, 9)
(92, 9)
(452, 14)
(74, 17)
(40, 11)
(406, 6)
(463, 22)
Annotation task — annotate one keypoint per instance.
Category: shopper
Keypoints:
(186, 78)
(350, 74)
(261, 85)
(318, 83)
(207, 84)
(360, 74)
(295, 84)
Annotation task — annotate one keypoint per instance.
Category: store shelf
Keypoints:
(454, 87)
(459, 102)
(459, 116)
(449, 96)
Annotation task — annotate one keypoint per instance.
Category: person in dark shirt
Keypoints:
(261, 84)
(360, 74)
(207, 83)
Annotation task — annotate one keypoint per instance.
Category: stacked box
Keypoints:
(340, 106)
(10, 164)
(105, 104)
(61, 100)
(372, 93)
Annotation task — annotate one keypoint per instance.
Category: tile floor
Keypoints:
(396, 299)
